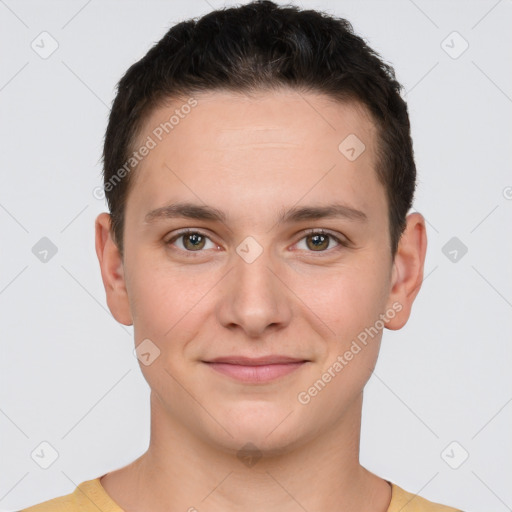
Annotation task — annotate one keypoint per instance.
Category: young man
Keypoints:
(259, 170)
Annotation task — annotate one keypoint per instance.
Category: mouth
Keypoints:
(255, 370)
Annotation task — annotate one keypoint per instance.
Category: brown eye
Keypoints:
(321, 241)
(318, 242)
(191, 241)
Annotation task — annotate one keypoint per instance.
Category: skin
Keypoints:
(252, 158)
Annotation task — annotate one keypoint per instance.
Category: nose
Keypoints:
(253, 297)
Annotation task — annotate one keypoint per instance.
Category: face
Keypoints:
(286, 255)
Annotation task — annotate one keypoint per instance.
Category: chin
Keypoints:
(265, 434)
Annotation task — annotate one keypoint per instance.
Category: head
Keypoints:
(254, 128)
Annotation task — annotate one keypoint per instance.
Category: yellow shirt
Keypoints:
(90, 496)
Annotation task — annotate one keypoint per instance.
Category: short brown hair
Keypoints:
(255, 47)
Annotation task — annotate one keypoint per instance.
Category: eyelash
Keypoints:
(318, 231)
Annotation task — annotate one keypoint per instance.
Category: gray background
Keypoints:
(68, 373)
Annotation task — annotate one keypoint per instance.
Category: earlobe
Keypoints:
(407, 274)
(112, 270)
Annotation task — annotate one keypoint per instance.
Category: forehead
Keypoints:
(278, 145)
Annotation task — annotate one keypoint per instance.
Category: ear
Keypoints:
(112, 271)
(407, 272)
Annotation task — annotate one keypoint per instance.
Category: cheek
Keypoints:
(347, 298)
(149, 294)
(350, 304)
(166, 301)
(165, 307)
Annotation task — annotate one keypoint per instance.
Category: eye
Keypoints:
(319, 240)
(192, 241)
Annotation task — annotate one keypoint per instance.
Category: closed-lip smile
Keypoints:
(256, 361)
(255, 369)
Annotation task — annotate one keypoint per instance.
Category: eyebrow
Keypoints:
(296, 214)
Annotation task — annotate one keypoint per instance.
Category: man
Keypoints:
(259, 169)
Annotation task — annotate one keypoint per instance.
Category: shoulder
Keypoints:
(89, 496)
(404, 501)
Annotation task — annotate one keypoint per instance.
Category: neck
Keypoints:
(180, 472)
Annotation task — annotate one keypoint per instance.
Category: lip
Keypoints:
(255, 369)
(256, 361)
